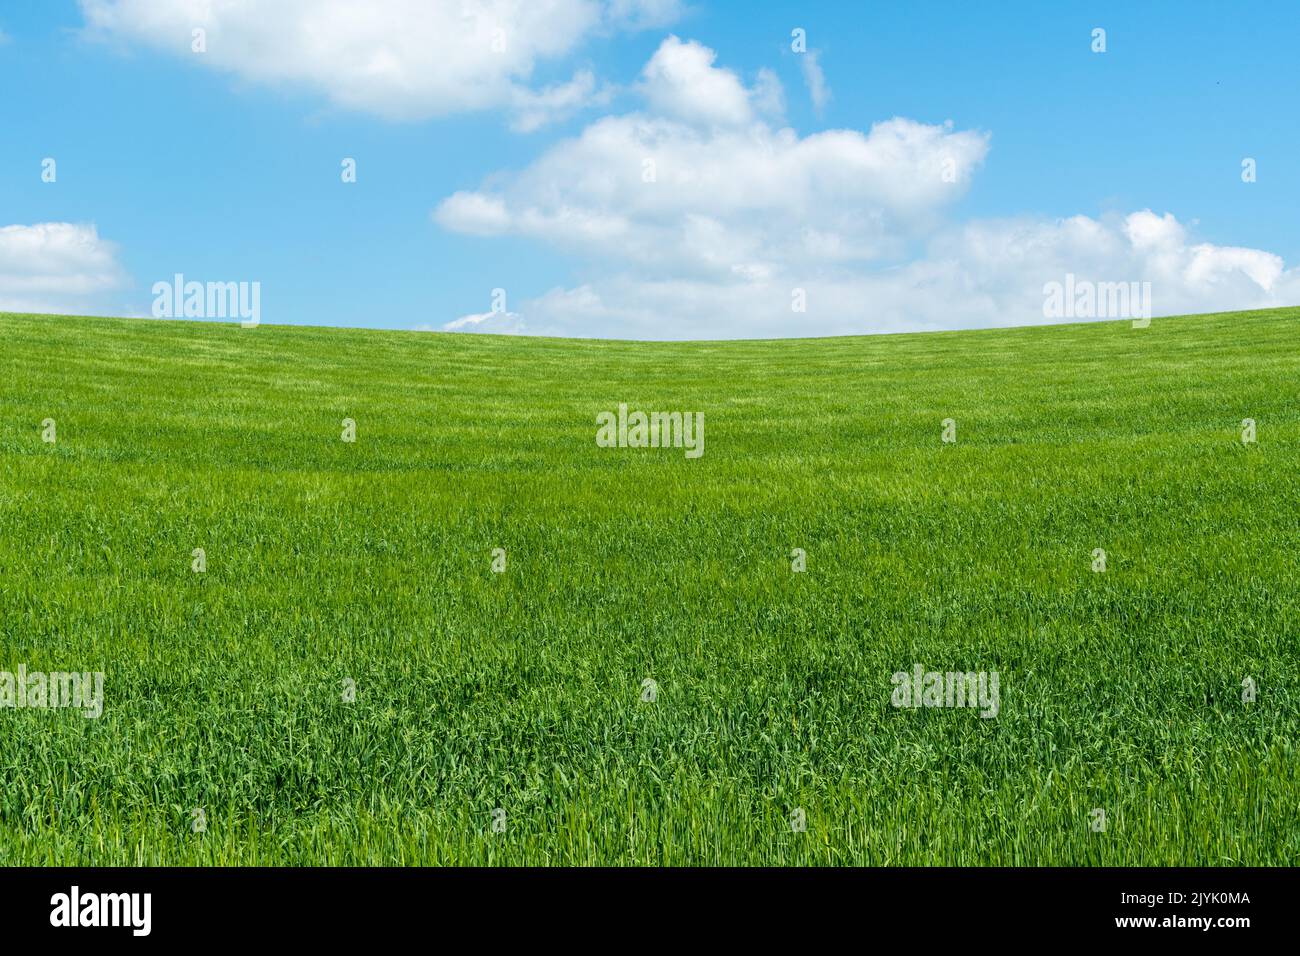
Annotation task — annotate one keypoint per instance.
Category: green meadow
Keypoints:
(351, 682)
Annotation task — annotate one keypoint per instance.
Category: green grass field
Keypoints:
(371, 562)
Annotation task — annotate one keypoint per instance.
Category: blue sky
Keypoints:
(225, 165)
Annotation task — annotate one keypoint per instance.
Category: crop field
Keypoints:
(472, 635)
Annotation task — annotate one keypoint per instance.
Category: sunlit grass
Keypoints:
(371, 561)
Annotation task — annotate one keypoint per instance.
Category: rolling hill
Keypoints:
(473, 635)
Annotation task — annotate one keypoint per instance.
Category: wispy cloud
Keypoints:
(501, 323)
(815, 80)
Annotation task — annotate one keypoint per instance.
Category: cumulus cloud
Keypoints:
(982, 274)
(698, 217)
(995, 271)
(400, 59)
(681, 82)
(701, 183)
(56, 267)
(746, 199)
(701, 191)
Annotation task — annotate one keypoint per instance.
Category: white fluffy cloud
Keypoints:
(401, 59)
(700, 184)
(742, 199)
(55, 267)
(699, 218)
(982, 274)
(681, 82)
(701, 193)
(1005, 264)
